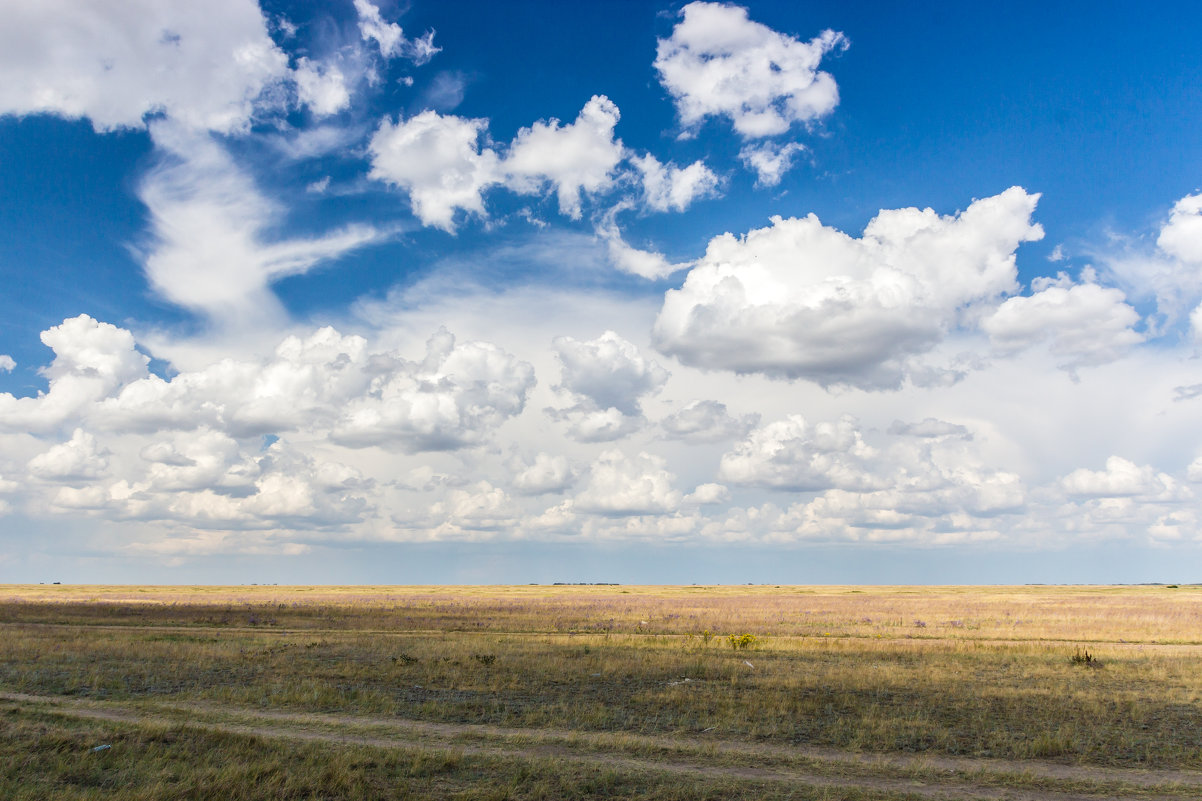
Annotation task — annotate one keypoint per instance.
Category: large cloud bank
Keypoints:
(789, 383)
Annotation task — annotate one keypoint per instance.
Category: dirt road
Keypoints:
(694, 754)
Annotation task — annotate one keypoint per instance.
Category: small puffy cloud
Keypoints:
(574, 158)
(191, 461)
(707, 494)
(92, 360)
(1084, 324)
(609, 371)
(801, 300)
(707, 421)
(618, 486)
(793, 455)
(548, 473)
(76, 460)
(390, 38)
(7, 364)
(605, 378)
(1175, 526)
(438, 161)
(202, 65)
(84, 347)
(321, 87)
(672, 188)
(1181, 236)
(770, 161)
(586, 423)
(717, 62)
(441, 163)
(1120, 479)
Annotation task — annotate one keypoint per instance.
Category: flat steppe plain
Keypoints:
(573, 692)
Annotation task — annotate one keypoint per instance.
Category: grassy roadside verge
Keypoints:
(691, 756)
(50, 756)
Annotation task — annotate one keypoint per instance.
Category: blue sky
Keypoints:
(615, 291)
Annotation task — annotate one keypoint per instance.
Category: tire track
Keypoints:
(587, 748)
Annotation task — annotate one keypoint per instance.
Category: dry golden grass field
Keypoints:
(573, 692)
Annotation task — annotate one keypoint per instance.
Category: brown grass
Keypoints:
(982, 672)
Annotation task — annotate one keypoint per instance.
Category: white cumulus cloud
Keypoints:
(770, 161)
(326, 385)
(1084, 324)
(619, 485)
(1121, 478)
(606, 378)
(792, 454)
(480, 507)
(1181, 236)
(717, 62)
(578, 157)
(322, 87)
(91, 361)
(203, 65)
(672, 188)
(453, 399)
(446, 163)
(438, 161)
(77, 459)
(547, 473)
(801, 300)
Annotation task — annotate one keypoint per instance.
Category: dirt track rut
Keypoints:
(928, 776)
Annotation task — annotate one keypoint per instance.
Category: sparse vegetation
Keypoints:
(833, 668)
(743, 642)
(1082, 656)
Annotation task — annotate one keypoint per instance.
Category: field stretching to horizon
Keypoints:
(600, 691)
